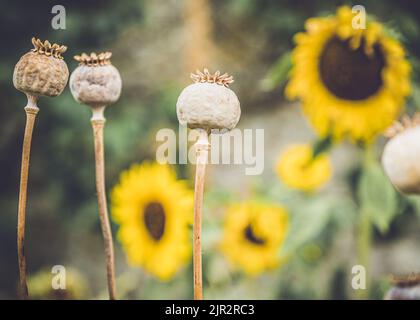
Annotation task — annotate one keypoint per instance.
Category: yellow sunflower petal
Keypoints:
(344, 107)
(154, 211)
(253, 236)
(297, 169)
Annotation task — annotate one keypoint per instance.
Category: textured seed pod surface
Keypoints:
(39, 74)
(401, 162)
(95, 85)
(405, 287)
(208, 106)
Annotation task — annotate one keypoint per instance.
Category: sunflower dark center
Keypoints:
(252, 237)
(351, 74)
(154, 220)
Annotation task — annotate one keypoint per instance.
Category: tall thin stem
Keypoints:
(98, 123)
(364, 233)
(202, 146)
(364, 243)
(31, 110)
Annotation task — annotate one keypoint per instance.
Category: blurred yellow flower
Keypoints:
(352, 82)
(41, 285)
(297, 168)
(253, 236)
(154, 211)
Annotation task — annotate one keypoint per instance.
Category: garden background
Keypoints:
(155, 45)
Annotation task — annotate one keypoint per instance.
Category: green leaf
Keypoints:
(414, 201)
(377, 196)
(278, 73)
(415, 96)
(391, 31)
(307, 222)
(322, 145)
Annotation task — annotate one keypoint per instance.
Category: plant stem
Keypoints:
(98, 123)
(31, 110)
(364, 235)
(202, 148)
(364, 242)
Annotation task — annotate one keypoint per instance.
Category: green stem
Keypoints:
(364, 242)
(364, 232)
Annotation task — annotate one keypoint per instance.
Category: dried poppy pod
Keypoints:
(404, 288)
(95, 82)
(401, 155)
(42, 71)
(209, 103)
(205, 105)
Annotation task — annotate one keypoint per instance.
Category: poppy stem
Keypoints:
(31, 110)
(202, 148)
(98, 123)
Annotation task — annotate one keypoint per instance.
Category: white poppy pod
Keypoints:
(95, 81)
(401, 158)
(404, 288)
(209, 103)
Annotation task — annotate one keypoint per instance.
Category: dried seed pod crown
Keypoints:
(48, 49)
(42, 71)
(405, 124)
(406, 281)
(401, 155)
(208, 103)
(206, 76)
(95, 82)
(93, 60)
(404, 288)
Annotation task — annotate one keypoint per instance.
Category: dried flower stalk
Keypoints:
(40, 72)
(205, 105)
(98, 123)
(97, 83)
(31, 111)
(202, 148)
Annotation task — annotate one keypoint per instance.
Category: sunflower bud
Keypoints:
(95, 82)
(209, 103)
(401, 155)
(42, 71)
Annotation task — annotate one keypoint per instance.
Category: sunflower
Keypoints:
(154, 211)
(297, 168)
(253, 236)
(352, 82)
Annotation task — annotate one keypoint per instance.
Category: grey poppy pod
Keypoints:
(401, 155)
(209, 103)
(404, 288)
(42, 71)
(95, 82)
